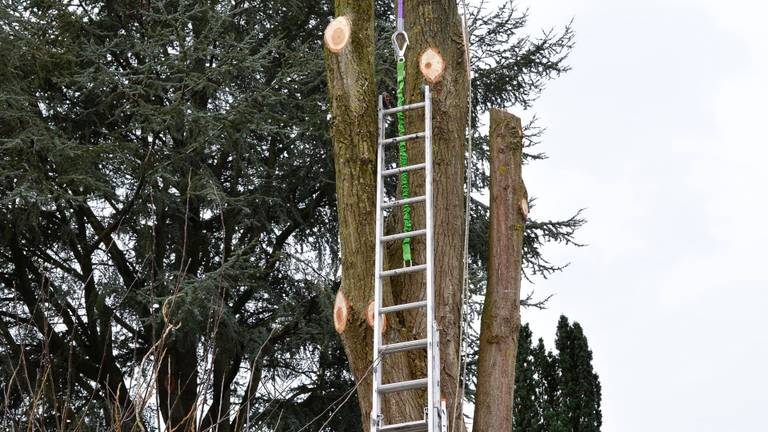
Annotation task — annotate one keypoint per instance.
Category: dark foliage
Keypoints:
(556, 392)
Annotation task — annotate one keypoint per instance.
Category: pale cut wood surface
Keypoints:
(432, 65)
(337, 34)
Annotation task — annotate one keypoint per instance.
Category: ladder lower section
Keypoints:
(435, 417)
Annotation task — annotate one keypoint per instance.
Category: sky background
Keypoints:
(658, 131)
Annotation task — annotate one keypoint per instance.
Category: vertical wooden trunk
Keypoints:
(352, 93)
(500, 323)
(351, 80)
(436, 24)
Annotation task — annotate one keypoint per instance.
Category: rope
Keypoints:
(462, 366)
(402, 146)
(407, 225)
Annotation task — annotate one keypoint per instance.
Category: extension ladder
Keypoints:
(435, 417)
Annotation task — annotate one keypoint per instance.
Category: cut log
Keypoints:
(369, 315)
(432, 65)
(337, 34)
(500, 323)
(340, 312)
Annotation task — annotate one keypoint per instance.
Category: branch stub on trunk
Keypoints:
(340, 312)
(432, 65)
(337, 34)
(369, 315)
(524, 208)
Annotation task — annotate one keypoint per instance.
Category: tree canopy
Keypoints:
(169, 241)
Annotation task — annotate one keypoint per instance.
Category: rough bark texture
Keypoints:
(433, 23)
(352, 92)
(437, 24)
(500, 323)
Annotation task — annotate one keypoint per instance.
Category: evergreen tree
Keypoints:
(548, 373)
(527, 406)
(579, 386)
(556, 392)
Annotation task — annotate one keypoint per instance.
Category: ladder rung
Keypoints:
(404, 346)
(404, 306)
(404, 169)
(403, 385)
(408, 137)
(396, 203)
(413, 426)
(403, 235)
(403, 270)
(404, 108)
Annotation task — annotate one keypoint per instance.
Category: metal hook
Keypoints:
(400, 51)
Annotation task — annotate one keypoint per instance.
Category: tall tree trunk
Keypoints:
(352, 92)
(351, 79)
(500, 324)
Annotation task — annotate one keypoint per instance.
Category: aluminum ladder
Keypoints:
(435, 417)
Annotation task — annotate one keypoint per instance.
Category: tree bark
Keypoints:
(350, 72)
(500, 323)
(352, 93)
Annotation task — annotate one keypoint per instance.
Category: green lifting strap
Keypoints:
(407, 227)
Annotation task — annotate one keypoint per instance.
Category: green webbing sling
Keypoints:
(403, 159)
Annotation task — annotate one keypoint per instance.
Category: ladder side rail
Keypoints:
(429, 258)
(377, 341)
(440, 415)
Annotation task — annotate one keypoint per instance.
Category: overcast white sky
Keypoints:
(659, 131)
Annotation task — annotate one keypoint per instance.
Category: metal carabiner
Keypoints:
(400, 50)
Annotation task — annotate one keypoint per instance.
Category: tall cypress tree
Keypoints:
(556, 392)
(580, 386)
(527, 414)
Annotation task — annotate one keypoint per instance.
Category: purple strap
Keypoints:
(400, 9)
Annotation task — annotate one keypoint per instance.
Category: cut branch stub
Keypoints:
(524, 207)
(337, 34)
(369, 315)
(432, 65)
(340, 312)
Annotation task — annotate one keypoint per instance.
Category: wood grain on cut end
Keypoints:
(337, 34)
(340, 312)
(432, 65)
(369, 315)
